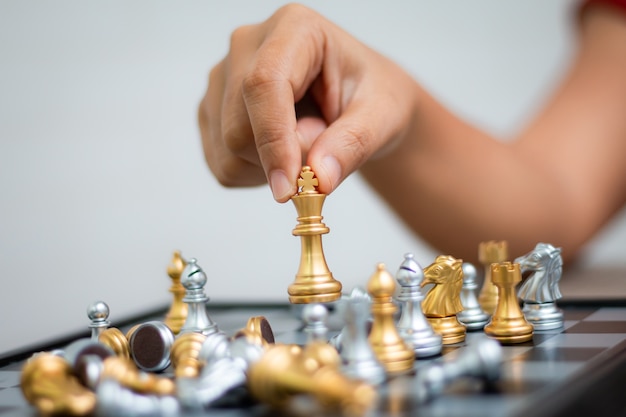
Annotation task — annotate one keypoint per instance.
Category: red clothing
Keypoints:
(615, 4)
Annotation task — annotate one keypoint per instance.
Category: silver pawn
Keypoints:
(481, 360)
(413, 326)
(472, 316)
(315, 316)
(98, 314)
(194, 279)
(358, 358)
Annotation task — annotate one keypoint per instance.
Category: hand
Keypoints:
(296, 89)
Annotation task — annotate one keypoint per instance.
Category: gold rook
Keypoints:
(314, 282)
(508, 324)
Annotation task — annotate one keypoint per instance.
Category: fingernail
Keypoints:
(333, 170)
(281, 187)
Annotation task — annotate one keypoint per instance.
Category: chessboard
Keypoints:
(577, 370)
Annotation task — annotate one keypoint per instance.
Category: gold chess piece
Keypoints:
(508, 324)
(125, 372)
(314, 282)
(488, 253)
(116, 340)
(185, 355)
(443, 301)
(389, 347)
(258, 331)
(48, 383)
(177, 314)
(287, 370)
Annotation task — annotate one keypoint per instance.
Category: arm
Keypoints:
(558, 182)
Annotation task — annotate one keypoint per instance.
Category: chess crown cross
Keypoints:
(307, 183)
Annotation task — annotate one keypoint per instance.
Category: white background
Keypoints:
(102, 174)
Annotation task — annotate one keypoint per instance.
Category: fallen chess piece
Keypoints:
(285, 372)
(117, 400)
(48, 383)
(481, 360)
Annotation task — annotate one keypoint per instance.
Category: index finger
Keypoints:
(286, 64)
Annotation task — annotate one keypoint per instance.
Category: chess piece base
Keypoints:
(543, 316)
(449, 328)
(473, 320)
(425, 344)
(509, 331)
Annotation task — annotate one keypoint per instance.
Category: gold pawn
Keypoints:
(176, 316)
(508, 324)
(390, 349)
(286, 370)
(488, 253)
(443, 302)
(128, 375)
(115, 339)
(48, 384)
(185, 355)
(314, 282)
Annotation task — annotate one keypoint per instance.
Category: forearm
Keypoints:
(558, 182)
(456, 186)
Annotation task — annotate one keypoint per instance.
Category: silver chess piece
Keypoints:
(413, 326)
(193, 279)
(472, 316)
(540, 290)
(315, 316)
(98, 314)
(481, 360)
(116, 400)
(358, 358)
(226, 363)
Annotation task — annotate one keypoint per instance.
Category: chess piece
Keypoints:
(287, 370)
(198, 320)
(412, 325)
(185, 354)
(75, 353)
(150, 345)
(357, 355)
(47, 382)
(443, 302)
(224, 363)
(315, 316)
(177, 314)
(314, 282)
(390, 349)
(480, 360)
(508, 324)
(125, 372)
(223, 375)
(98, 314)
(490, 252)
(258, 330)
(116, 400)
(472, 316)
(541, 289)
(116, 340)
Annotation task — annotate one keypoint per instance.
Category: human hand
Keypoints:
(296, 89)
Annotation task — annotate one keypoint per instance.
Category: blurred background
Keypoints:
(102, 175)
